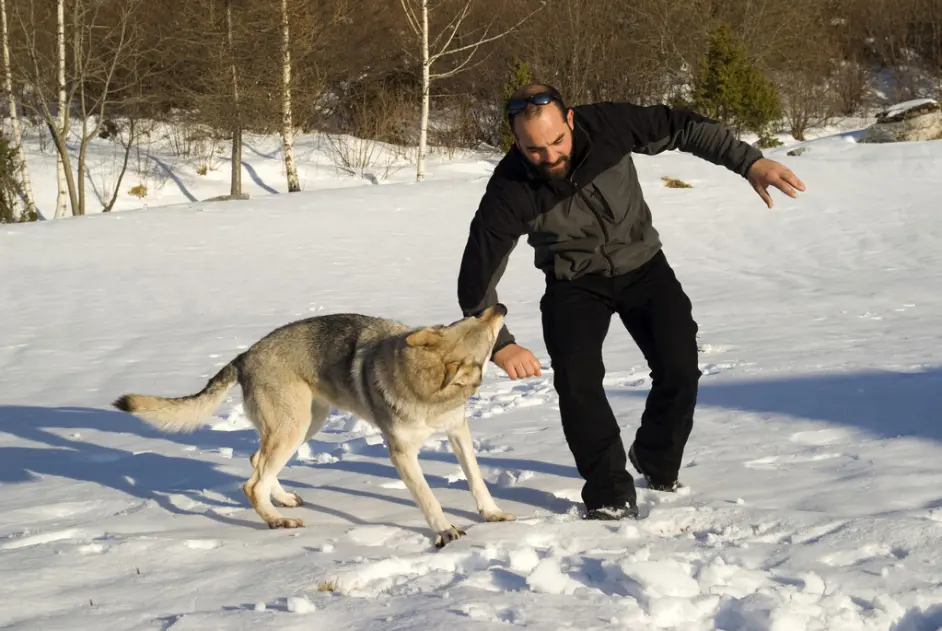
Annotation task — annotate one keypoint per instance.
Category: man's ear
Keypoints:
(424, 337)
(570, 118)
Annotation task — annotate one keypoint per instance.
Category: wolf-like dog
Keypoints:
(410, 382)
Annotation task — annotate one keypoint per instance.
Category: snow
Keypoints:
(813, 473)
(173, 165)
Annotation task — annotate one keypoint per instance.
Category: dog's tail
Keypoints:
(181, 414)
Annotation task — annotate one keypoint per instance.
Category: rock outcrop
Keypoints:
(909, 121)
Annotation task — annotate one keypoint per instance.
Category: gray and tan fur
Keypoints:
(409, 382)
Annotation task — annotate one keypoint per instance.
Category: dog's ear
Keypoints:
(424, 337)
(451, 371)
(459, 374)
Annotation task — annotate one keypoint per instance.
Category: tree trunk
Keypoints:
(80, 175)
(132, 125)
(426, 92)
(28, 204)
(63, 122)
(287, 133)
(70, 192)
(235, 188)
(79, 72)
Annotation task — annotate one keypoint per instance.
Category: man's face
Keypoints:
(546, 141)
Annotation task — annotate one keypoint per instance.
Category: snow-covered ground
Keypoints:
(814, 472)
(173, 164)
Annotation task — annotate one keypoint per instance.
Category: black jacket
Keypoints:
(597, 221)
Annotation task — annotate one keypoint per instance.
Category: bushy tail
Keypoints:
(181, 414)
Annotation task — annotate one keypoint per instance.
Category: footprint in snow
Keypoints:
(626, 381)
(25, 540)
(92, 548)
(712, 348)
(505, 397)
(489, 446)
(780, 462)
(202, 544)
(867, 552)
(823, 437)
(713, 369)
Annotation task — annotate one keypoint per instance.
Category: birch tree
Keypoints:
(60, 133)
(235, 186)
(29, 206)
(443, 46)
(287, 131)
(311, 23)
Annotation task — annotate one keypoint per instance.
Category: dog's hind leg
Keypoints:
(459, 435)
(405, 457)
(279, 496)
(283, 419)
(320, 410)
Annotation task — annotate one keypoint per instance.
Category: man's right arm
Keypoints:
(493, 234)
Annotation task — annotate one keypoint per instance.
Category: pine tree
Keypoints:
(10, 188)
(518, 75)
(717, 92)
(731, 89)
(761, 104)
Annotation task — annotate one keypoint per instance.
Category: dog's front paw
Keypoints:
(286, 522)
(497, 515)
(448, 535)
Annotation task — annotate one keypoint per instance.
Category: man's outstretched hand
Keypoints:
(765, 173)
(517, 362)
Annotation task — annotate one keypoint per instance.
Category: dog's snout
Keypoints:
(495, 310)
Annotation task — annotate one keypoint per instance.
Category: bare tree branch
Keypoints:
(486, 40)
(454, 25)
(462, 67)
(448, 33)
(410, 15)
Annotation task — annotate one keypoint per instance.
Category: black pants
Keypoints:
(657, 313)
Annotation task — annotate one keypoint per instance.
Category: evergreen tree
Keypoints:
(518, 75)
(730, 88)
(10, 188)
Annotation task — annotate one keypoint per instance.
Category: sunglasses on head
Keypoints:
(515, 106)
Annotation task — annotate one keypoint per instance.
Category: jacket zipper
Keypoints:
(611, 263)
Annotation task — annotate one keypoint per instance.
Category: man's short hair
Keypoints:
(521, 102)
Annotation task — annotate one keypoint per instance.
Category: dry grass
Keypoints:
(672, 182)
(327, 586)
(139, 191)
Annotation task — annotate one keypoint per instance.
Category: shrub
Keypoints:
(10, 187)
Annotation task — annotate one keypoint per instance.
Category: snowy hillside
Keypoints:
(814, 471)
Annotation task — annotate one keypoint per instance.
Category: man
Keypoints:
(570, 185)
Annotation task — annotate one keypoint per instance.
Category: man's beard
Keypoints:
(558, 170)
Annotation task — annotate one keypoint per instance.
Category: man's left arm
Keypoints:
(653, 129)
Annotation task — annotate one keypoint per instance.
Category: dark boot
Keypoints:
(613, 513)
(669, 486)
